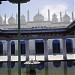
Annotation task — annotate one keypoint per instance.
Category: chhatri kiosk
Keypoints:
(41, 40)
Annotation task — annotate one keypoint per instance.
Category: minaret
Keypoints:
(48, 15)
(60, 17)
(28, 15)
(72, 16)
(16, 18)
(5, 19)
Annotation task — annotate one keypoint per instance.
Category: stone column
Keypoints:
(64, 56)
(64, 49)
(9, 56)
(46, 68)
(45, 49)
(73, 45)
(27, 50)
(27, 57)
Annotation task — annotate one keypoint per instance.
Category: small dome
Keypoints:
(11, 20)
(54, 15)
(54, 18)
(38, 18)
(23, 21)
(1, 19)
(66, 18)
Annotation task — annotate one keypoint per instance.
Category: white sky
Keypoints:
(55, 6)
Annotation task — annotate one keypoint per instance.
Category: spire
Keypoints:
(72, 16)
(28, 15)
(16, 18)
(38, 11)
(5, 19)
(60, 17)
(48, 15)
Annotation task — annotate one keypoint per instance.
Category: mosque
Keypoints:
(39, 38)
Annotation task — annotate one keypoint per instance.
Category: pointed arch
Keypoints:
(69, 46)
(23, 47)
(12, 48)
(1, 48)
(39, 46)
(56, 46)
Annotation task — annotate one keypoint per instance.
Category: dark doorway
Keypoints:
(69, 46)
(1, 48)
(23, 47)
(39, 46)
(12, 48)
(1, 64)
(56, 46)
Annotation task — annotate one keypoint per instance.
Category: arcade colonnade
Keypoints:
(41, 47)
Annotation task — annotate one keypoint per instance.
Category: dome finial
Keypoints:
(38, 11)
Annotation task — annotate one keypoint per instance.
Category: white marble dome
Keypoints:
(54, 18)
(23, 21)
(11, 20)
(38, 18)
(66, 18)
(1, 19)
(54, 15)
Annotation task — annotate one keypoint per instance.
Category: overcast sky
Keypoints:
(55, 6)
